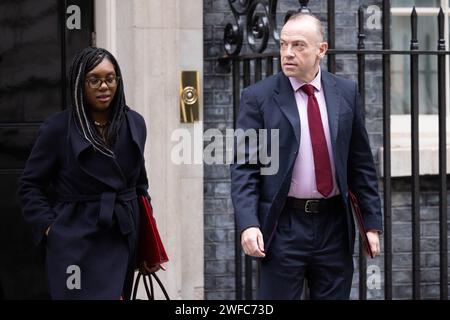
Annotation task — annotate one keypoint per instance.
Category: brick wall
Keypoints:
(218, 209)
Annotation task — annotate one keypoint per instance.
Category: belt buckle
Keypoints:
(308, 206)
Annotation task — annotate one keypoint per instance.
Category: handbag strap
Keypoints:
(135, 286)
(160, 285)
(148, 286)
(150, 293)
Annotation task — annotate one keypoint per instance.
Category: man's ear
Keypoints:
(323, 47)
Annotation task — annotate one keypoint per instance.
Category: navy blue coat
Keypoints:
(94, 213)
(270, 104)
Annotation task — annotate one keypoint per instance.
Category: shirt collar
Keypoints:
(316, 83)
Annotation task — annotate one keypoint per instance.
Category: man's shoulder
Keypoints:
(339, 80)
(347, 87)
(267, 85)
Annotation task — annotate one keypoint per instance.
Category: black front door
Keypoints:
(37, 42)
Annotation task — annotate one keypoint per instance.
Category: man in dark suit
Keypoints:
(297, 220)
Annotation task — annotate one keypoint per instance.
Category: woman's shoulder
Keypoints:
(136, 116)
(56, 123)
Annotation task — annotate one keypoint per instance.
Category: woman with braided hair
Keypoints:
(91, 155)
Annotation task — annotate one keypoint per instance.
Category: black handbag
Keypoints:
(148, 285)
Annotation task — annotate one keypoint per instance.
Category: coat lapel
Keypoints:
(92, 162)
(134, 134)
(332, 99)
(284, 97)
(139, 143)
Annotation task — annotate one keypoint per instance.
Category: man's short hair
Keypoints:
(302, 15)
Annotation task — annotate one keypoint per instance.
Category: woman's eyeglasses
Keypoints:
(95, 83)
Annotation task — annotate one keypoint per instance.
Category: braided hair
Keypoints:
(83, 62)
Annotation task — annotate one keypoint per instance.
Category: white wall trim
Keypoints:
(106, 24)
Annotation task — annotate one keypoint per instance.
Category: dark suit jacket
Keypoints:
(270, 104)
(95, 216)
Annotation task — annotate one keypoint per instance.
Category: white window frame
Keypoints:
(428, 124)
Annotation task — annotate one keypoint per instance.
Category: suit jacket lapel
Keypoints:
(284, 96)
(332, 99)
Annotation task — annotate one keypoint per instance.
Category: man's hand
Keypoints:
(374, 241)
(252, 242)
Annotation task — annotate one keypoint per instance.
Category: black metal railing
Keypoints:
(415, 155)
(261, 33)
(387, 190)
(443, 250)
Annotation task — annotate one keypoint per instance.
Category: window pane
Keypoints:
(400, 65)
(417, 3)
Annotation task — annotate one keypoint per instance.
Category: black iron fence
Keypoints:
(258, 21)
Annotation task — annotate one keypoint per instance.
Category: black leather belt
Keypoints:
(315, 205)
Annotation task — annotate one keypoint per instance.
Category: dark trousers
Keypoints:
(309, 246)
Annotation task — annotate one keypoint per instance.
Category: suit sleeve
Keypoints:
(40, 168)
(362, 176)
(245, 170)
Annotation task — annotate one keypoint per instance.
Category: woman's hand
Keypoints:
(145, 269)
(47, 231)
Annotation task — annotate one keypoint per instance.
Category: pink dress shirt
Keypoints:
(303, 183)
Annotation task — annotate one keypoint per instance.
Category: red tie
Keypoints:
(322, 164)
